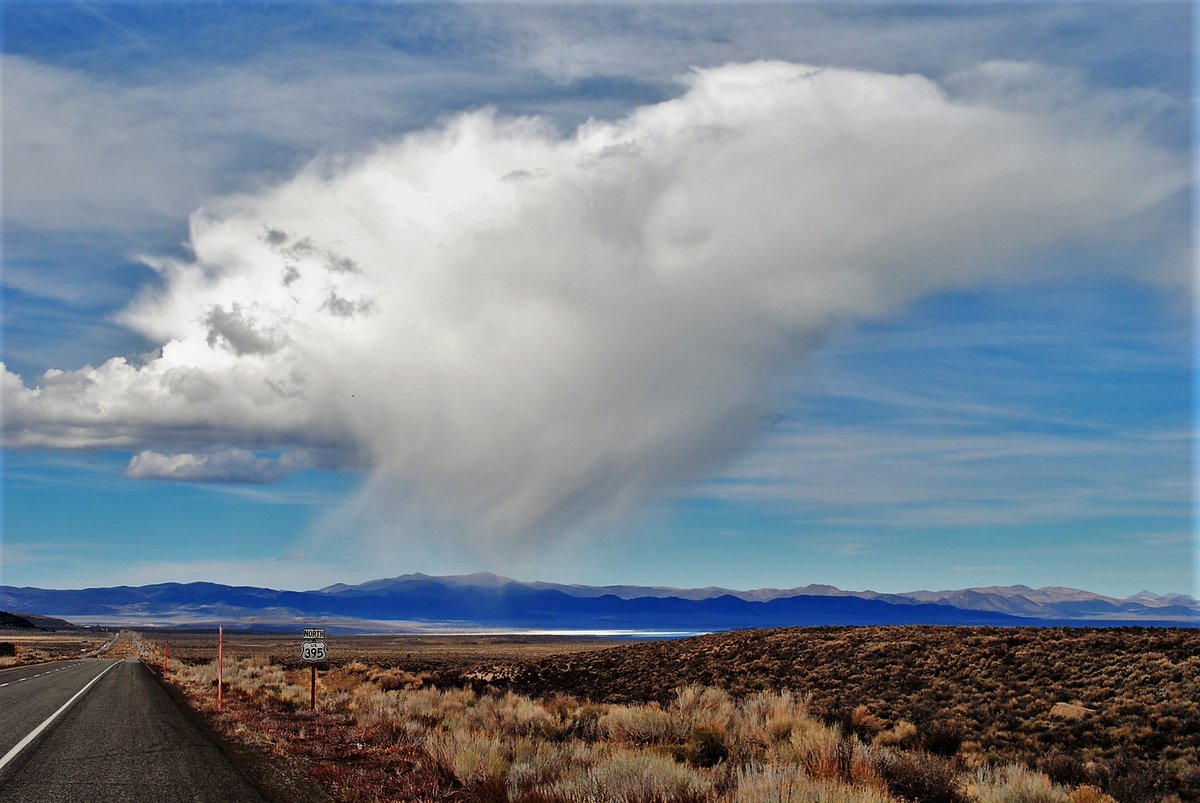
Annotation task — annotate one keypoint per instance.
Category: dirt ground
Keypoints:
(432, 654)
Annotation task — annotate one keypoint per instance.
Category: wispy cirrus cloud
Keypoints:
(19, 553)
(89, 152)
(877, 477)
(292, 570)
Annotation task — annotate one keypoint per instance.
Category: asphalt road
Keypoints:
(123, 739)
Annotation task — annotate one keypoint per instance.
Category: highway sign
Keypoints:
(314, 633)
(313, 651)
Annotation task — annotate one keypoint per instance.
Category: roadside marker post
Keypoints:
(166, 652)
(220, 664)
(313, 651)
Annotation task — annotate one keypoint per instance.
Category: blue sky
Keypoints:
(996, 395)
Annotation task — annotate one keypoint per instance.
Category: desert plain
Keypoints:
(823, 714)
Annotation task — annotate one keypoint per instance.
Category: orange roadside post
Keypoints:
(166, 652)
(220, 662)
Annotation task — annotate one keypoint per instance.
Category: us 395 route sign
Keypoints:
(313, 649)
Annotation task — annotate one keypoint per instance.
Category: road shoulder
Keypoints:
(280, 779)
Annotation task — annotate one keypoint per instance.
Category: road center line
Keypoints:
(33, 734)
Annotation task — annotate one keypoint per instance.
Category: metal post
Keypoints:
(166, 652)
(313, 692)
(220, 663)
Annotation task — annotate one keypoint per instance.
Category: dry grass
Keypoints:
(790, 784)
(1015, 784)
(985, 696)
(389, 734)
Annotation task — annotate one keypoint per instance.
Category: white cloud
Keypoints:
(224, 465)
(515, 332)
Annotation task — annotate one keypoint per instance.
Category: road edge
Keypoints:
(265, 772)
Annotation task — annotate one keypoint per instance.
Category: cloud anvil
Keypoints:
(766, 291)
(522, 330)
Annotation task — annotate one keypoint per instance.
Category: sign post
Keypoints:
(313, 652)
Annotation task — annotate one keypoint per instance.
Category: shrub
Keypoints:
(903, 734)
(334, 703)
(468, 758)
(7, 649)
(584, 723)
(824, 752)
(1015, 784)
(430, 707)
(704, 706)
(920, 776)
(251, 675)
(1066, 769)
(536, 770)
(635, 778)
(507, 715)
(1131, 782)
(790, 784)
(765, 719)
(395, 679)
(707, 746)
(643, 725)
(942, 738)
(1089, 794)
(864, 724)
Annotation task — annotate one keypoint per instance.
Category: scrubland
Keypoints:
(21, 647)
(632, 723)
(447, 655)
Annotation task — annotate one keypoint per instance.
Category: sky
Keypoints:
(759, 295)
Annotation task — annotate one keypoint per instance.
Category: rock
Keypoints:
(1070, 711)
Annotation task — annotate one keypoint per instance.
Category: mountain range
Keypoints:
(1053, 602)
(418, 602)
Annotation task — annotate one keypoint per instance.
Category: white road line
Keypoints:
(74, 665)
(26, 666)
(33, 734)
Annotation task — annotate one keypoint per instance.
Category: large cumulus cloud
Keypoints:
(512, 331)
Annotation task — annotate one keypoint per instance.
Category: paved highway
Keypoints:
(120, 739)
